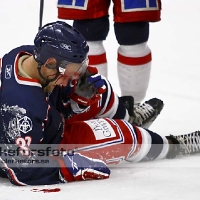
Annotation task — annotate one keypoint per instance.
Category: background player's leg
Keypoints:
(95, 32)
(134, 58)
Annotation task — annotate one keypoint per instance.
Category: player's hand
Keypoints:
(85, 168)
(89, 87)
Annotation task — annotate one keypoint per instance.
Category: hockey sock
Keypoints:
(97, 57)
(134, 67)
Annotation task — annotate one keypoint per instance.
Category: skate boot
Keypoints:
(184, 144)
(143, 115)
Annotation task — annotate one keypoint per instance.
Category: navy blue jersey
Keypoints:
(27, 118)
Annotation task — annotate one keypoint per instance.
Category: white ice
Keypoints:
(175, 79)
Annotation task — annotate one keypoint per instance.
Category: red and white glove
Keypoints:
(89, 88)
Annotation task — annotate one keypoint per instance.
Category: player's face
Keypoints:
(73, 71)
(68, 71)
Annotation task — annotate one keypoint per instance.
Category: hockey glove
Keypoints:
(89, 87)
(85, 168)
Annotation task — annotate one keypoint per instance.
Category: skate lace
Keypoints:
(143, 113)
(189, 143)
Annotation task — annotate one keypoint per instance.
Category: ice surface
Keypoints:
(175, 79)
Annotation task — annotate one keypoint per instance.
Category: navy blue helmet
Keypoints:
(61, 41)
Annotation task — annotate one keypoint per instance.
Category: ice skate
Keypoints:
(143, 115)
(184, 144)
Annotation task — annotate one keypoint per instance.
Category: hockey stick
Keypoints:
(41, 13)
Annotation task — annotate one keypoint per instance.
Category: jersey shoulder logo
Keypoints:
(8, 71)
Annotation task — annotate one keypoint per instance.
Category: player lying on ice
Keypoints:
(50, 96)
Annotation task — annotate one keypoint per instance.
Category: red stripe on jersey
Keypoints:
(110, 104)
(134, 61)
(138, 134)
(97, 59)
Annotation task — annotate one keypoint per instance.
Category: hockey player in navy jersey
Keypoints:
(55, 107)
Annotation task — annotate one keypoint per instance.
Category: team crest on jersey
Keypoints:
(25, 124)
(8, 71)
(139, 5)
(16, 121)
(77, 4)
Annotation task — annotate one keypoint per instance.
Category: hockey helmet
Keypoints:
(60, 41)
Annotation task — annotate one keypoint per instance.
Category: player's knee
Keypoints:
(131, 33)
(93, 29)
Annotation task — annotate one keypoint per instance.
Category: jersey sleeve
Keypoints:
(109, 105)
